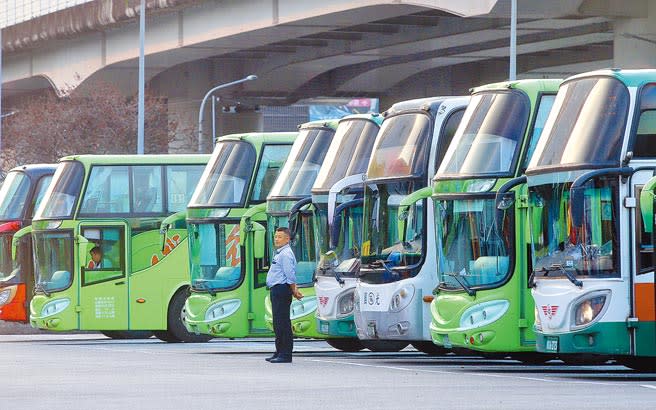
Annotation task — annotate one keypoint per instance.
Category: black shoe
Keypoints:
(281, 359)
(268, 359)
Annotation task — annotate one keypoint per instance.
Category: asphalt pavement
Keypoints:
(90, 371)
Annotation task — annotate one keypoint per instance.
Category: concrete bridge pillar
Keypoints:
(634, 43)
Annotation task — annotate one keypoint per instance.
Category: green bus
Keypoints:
(482, 301)
(100, 262)
(226, 224)
(291, 195)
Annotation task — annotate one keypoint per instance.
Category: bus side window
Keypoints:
(147, 189)
(644, 146)
(105, 254)
(181, 181)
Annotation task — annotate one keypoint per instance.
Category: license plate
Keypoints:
(373, 301)
(324, 327)
(551, 344)
(446, 342)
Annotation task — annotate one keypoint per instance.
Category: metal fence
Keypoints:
(16, 11)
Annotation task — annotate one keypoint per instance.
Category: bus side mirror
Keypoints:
(404, 209)
(17, 238)
(84, 246)
(164, 226)
(647, 206)
(258, 240)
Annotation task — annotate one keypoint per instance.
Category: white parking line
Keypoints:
(648, 386)
(486, 375)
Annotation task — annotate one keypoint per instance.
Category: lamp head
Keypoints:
(251, 77)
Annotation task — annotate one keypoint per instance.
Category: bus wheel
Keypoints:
(532, 358)
(346, 345)
(641, 364)
(384, 345)
(176, 318)
(127, 334)
(583, 359)
(430, 348)
(165, 336)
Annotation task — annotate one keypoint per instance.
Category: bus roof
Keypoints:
(139, 159)
(332, 123)
(36, 170)
(374, 117)
(260, 138)
(433, 103)
(529, 85)
(631, 78)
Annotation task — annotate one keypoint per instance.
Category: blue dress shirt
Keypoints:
(283, 267)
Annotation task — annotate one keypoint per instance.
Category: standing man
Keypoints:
(281, 281)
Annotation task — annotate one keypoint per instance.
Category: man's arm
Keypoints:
(289, 269)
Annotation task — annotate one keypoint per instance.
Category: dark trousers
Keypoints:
(281, 300)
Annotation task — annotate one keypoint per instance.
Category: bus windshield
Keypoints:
(586, 125)
(559, 247)
(13, 195)
(350, 154)
(226, 178)
(402, 147)
(486, 141)
(385, 256)
(471, 246)
(215, 256)
(59, 200)
(303, 245)
(302, 167)
(344, 258)
(53, 260)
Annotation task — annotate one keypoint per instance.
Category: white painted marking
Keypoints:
(648, 386)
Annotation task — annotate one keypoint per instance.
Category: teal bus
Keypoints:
(226, 224)
(291, 196)
(593, 269)
(482, 299)
(100, 263)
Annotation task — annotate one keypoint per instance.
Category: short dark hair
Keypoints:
(95, 249)
(284, 230)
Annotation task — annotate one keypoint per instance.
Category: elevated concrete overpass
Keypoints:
(392, 49)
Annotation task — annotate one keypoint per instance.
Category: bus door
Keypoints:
(644, 291)
(104, 286)
(261, 266)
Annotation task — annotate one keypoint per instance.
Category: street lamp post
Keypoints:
(202, 105)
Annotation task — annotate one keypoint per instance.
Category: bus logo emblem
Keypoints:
(323, 300)
(549, 311)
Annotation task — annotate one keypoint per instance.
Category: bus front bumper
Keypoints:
(602, 338)
(332, 327)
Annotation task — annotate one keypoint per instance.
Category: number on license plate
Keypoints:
(325, 327)
(551, 344)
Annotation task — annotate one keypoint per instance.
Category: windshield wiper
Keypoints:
(557, 267)
(39, 287)
(458, 277)
(202, 284)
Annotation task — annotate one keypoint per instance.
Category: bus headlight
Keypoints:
(483, 314)
(538, 322)
(345, 303)
(54, 307)
(222, 309)
(589, 309)
(4, 296)
(302, 307)
(402, 298)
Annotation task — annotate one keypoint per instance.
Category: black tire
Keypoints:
(430, 348)
(127, 334)
(583, 359)
(346, 345)
(641, 364)
(175, 323)
(384, 345)
(165, 336)
(532, 358)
